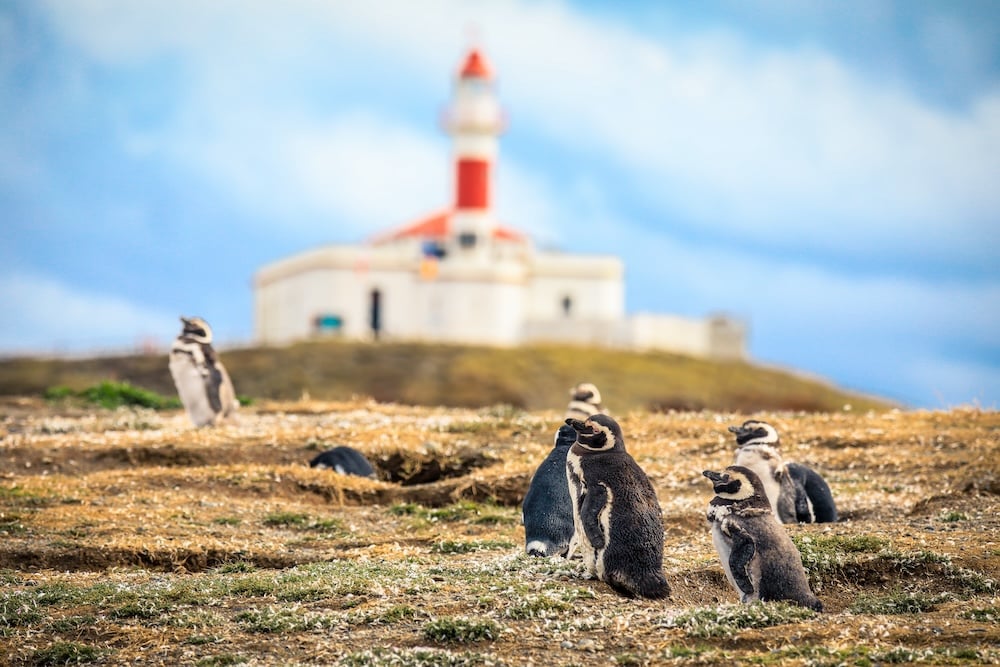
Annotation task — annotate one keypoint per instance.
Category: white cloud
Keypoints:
(790, 148)
(44, 316)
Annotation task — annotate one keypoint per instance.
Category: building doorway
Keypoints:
(376, 313)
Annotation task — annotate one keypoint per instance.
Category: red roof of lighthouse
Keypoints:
(437, 227)
(475, 66)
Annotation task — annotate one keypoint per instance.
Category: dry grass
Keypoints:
(130, 537)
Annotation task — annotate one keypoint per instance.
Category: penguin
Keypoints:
(798, 494)
(759, 558)
(547, 510)
(585, 400)
(616, 514)
(344, 460)
(813, 498)
(202, 381)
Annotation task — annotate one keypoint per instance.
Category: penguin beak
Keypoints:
(736, 429)
(714, 476)
(577, 425)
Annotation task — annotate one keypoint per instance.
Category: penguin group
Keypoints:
(796, 493)
(590, 496)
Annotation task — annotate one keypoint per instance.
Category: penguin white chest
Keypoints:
(578, 491)
(765, 471)
(189, 379)
(604, 520)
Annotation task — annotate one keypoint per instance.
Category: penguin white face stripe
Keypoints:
(769, 438)
(745, 491)
(609, 437)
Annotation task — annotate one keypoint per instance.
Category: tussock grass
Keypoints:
(461, 630)
(728, 620)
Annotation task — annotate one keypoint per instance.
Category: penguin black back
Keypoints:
(344, 460)
(547, 510)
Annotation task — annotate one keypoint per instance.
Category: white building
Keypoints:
(459, 276)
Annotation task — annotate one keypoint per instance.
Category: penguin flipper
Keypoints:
(740, 557)
(213, 384)
(594, 502)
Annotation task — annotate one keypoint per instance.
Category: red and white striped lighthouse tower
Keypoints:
(474, 121)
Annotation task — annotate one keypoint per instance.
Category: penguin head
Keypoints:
(565, 436)
(753, 432)
(586, 392)
(600, 433)
(196, 329)
(737, 484)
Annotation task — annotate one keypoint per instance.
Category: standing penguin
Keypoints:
(547, 511)
(616, 514)
(797, 493)
(584, 401)
(201, 380)
(344, 460)
(760, 560)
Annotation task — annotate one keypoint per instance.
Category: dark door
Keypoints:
(376, 313)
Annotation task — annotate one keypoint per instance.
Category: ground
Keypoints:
(129, 536)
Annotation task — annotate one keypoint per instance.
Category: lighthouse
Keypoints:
(474, 120)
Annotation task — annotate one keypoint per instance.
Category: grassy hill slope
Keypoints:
(533, 378)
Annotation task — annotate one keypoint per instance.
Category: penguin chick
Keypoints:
(759, 558)
(202, 382)
(344, 460)
(797, 493)
(616, 514)
(585, 400)
(547, 511)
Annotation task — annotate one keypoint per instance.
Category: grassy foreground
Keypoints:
(128, 537)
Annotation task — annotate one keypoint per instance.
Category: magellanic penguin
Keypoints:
(201, 380)
(344, 460)
(760, 559)
(617, 517)
(584, 401)
(547, 511)
(798, 494)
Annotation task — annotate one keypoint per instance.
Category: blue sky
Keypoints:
(827, 170)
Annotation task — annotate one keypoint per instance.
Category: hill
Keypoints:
(532, 378)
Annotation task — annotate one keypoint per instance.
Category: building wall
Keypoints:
(497, 302)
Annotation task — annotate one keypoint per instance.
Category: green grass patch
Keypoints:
(460, 630)
(221, 660)
(953, 516)
(227, 521)
(416, 657)
(898, 602)
(460, 547)
(464, 510)
(982, 614)
(284, 618)
(728, 620)
(298, 521)
(110, 395)
(65, 653)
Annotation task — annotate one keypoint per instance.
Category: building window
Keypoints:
(467, 240)
(328, 323)
(567, 306)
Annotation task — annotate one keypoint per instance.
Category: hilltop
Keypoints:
(530, 378)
